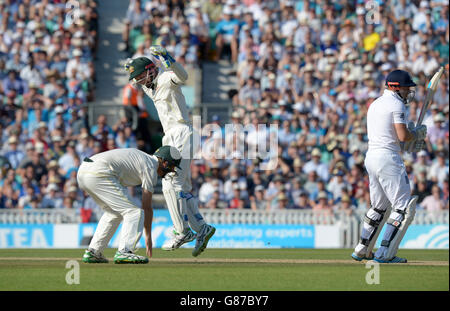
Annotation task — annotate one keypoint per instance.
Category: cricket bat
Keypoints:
(431, 89)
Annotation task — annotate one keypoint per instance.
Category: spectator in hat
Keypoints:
(386, 52)
(321, 205)
(14, 155)
(420, 17)
(428, 120)
(311, 182)
(337, 184)
(13, 83)
(424, 62)
(28, 199)
(52, 199)
(316, 165)
(422, 162)
(235, 177)
(58, 120)
(216, 201)
(67, 160)
(439, 169)
(257, 201)
(405, 9)
(438, 130)
(55, 151)
(283, 202)
(303, 201)
(83, 70)
(208, 187)
(422, 187)
(235, 201)
(227, 30)
(344, 205)
(276, 186)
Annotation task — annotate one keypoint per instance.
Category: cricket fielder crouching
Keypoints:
(163, 86)
(105, 177)
(389, 183)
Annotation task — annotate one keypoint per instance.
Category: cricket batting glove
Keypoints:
(419, 145)
(162, 54)
(420, 132)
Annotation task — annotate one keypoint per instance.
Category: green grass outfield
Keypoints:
(224, 270)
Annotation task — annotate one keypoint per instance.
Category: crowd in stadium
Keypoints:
(310, 67)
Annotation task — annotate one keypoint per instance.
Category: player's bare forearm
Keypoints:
(403, 134)
(148, 218)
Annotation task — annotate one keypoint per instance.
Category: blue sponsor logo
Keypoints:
(26, 236)
(423, 237)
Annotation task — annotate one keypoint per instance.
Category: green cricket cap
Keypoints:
(169, 154)
(138, 66)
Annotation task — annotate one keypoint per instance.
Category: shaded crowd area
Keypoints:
(310, 67)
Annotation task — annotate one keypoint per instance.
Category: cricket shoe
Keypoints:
(393, 260)
(357, 257)
(91, 256)
(203, 237)
(129, 258)
(179, 239)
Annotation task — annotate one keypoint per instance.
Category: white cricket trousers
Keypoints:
(389, 183)
(100, 183)
(182, 206)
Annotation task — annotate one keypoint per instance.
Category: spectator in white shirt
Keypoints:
(420, 17)
(424, 62)
(316, 165)
(51, 199)
(439, 170)
(82, 69)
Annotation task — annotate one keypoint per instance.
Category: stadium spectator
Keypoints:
(52, 198)
(433, 202)
(311, 68)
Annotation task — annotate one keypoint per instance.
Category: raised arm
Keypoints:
(170, 63)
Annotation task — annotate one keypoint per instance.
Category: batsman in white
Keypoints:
(105, 177)
(163, 86)
(390, 192)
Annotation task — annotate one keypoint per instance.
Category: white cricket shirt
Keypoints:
(381, 116)
(168, 98)
(131, 166)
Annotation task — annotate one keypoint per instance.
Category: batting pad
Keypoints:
(195, 219)
(176, 205)
(409, 216)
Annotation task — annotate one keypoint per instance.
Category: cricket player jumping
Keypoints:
(163, 86)
(105, 177)
(389, 184)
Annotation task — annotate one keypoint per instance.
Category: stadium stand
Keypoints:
(310, 67)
